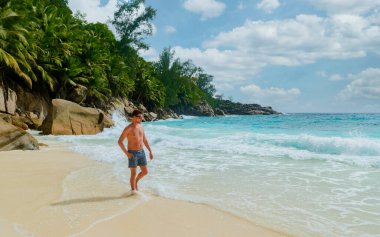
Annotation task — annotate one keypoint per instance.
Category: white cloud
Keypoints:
(94, 12)
(150, 55)
(97, 13)
(207, 8)
(365, 84)
(346, 6)
(268, 5)
(303, 39)
(332, 77)
(225, 66)
(273, 95)
(239, 54)
(336, 77)
(170, 29)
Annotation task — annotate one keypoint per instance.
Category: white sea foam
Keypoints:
(189, 117)
(355, 151)
(309, 184)
(189, 143)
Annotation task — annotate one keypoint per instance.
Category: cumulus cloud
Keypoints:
(303, 39)
(170, 29)
(224, 65)
(272, 95)
(346, 6)
(242, 52)
(94, 12)
(365, 84)
(268, 5)
(149, 54)
(101, 13)
(207, 8)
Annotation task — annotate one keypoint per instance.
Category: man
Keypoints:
(135, 135)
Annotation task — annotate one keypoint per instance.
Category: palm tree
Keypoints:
(17, 54)
(14, 56)
(169, 71)
(149, 90)
(50, 40)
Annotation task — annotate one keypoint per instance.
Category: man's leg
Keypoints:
(133, 178)
(143, 172)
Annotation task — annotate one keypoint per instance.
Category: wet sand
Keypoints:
(57, 192)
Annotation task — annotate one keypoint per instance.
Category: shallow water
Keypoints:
(304, 174)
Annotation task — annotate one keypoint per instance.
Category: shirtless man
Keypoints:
(135, 135)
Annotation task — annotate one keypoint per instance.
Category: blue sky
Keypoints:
(294, 55)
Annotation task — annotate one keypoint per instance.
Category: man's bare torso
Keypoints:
(135, 137)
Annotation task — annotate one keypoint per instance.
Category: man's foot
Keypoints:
(137, 188)
(130, 193)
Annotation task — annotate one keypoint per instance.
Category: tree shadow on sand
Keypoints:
(92, 199)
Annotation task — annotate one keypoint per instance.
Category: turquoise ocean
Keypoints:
(302, 174)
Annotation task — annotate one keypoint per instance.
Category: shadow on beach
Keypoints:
(92, 199)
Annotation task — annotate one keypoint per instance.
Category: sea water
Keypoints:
(303, 174)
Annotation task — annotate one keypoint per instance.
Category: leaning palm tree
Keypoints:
(13, 43)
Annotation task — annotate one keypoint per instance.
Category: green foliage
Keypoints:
(168, 71)
(46, 46)
(204, 83)
(149, 90)
(185, 84)
(132, 21)
(14, 55)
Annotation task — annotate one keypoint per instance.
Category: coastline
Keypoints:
(57, 192)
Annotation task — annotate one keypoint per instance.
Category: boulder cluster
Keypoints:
(21, 110)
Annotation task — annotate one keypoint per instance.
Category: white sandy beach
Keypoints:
(56, 192)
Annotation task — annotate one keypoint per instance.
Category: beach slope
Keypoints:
(57, 192)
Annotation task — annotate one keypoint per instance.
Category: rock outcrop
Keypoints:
(68, 118)
(229, 107)
(8, 99)
(129, 107)
(219, 112)
(31, 105)
(14, 138)
(166, 114)
(21, 107)
(24, 122)
(77, 95)
(203, 109)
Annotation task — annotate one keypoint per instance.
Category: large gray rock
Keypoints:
(128, 107)
(14, 138)
(68, 118)
(33, 106)
(8, 99)
(203, 109)
(142, 108)
(219, 112)
(24, 122)
(166, 114)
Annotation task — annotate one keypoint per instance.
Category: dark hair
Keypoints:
(136, 112)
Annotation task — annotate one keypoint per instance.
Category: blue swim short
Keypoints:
(138, 158)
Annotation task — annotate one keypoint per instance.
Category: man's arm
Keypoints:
(147, 145)
(121, 144)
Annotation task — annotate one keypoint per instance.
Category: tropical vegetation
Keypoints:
(44, 46)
